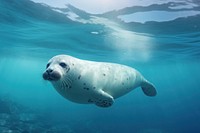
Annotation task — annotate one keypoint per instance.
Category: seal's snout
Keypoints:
(51, 75)
(49, 71)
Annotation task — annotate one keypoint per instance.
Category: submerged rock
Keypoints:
(4, 107)
(60, 129)
(15, 118)
(28, 117)
(152, 131)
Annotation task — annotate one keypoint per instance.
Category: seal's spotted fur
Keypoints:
(98, 83)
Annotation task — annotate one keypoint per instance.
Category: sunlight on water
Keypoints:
(127, 44)
(132, 46)
(158, 16)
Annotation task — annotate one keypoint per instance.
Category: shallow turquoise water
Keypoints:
(167, 55)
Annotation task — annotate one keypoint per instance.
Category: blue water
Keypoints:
(166, 53)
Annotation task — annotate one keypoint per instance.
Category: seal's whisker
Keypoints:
(68, 79)
(62, 85)
(72, 76)
(66, 83)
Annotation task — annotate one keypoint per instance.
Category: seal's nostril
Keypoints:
(49, 71)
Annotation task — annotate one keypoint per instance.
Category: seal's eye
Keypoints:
(48, 65)
(62, 64)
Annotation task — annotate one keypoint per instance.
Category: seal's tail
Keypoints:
(148, 88)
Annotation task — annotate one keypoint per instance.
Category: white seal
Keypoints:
(83, 81)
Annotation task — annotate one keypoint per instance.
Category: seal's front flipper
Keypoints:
(148, 88)
(103, 99)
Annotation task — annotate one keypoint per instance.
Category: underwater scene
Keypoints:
(160, 39)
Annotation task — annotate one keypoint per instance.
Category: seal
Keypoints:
(99, 83)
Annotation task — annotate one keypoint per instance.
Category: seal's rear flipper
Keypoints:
(148, 88)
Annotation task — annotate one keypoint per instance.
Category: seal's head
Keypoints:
(56, 68)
